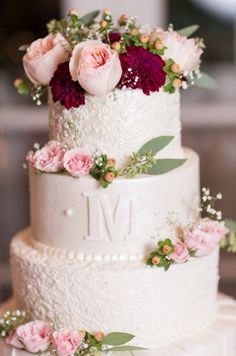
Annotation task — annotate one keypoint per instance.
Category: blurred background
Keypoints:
(208, 117)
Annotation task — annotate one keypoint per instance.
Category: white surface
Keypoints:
(156, 306)
(119, 123)
(126, 219)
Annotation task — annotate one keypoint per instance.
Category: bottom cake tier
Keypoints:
(156, 306)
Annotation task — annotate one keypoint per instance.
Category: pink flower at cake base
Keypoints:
(66, 342)
(49, 158)
(35, 336)
(95, 66)
(14, 340)
(77, 162)
(184, 51)
(43, 56)
(180, 254)
(205, 236)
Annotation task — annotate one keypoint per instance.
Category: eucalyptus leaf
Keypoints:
(188, 31)
(89, 18)
(230, 224)
(166, 165)
(117, 338)
(156, 144)
(206, 81)
(126, 348)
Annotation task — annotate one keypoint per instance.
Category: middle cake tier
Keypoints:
(122, 222)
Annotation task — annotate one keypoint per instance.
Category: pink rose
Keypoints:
(205, 236)
(96, 67)
(35, 335)
(66, 342)
(77, 162)
(43, 56)
(180, 254)
(49, 158)
(14, 340)
(181, 49)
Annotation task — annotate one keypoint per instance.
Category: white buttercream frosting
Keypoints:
(119, 123)
(154, 305)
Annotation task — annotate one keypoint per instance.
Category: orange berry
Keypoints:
(123, 20)
(103, 24)
(99, 336)
(17, 82)
(175, 68)
(116, 46)
(134, 31)
(156, 260)
(109, 177)
(73, 12)
(111, 162)
(82, 334)
(144, 38)
(166, 249)
(176, 83)
(158, 44)
(107, 12)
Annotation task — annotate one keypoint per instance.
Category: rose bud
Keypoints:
(109, 177)
(111, 162)
(73, 12)
(17, 82)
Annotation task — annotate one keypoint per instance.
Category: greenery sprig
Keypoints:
(10, 321)
(104, 170)
(174, 77)
(139, 163)
(229, 243)
(161, 256)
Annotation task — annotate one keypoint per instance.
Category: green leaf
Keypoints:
(126, 348)
(230, 224)
(206, 81)
(117, 338)
(89, 18)
(188, 31)
(166, 165)
(156, 144)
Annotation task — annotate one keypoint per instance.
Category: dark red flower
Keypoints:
(142, 70)
(64, 89)
(114, 36)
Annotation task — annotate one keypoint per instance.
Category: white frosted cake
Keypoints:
(116, 245)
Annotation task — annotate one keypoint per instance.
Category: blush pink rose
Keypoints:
(180, 254)
(43, 57)
(49, 158)
(96, 67)
(66, 342)
(181, 49)
(77, 162)
(14, 340)
(35, 336)
(205, 236)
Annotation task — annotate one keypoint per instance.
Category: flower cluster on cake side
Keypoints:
(81, 55)
(36, 336)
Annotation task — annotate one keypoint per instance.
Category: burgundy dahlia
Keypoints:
(64, 89)
(114, 36)
(142, 70)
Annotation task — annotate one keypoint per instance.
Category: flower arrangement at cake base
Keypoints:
(36, 336)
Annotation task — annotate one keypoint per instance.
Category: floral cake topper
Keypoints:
(81, 55)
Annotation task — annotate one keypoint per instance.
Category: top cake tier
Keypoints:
(119, 123)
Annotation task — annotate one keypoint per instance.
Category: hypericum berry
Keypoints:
(109, 177)
(116, 46)
(123, 20)
(99, 336)
(158, 44)
(134, 31)
(166, 249)
(156, 260)
(176, 83)
(73, 12)
(17, 82)
(111, 162)
(107, 12)
(175, 68)
(82, 334)
(103, 24)
(144, 38)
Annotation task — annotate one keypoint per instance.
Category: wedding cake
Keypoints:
(116, 245)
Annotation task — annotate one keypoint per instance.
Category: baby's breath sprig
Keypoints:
(10, 321)
(139, 163)
(37, 93)
(208, 203)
